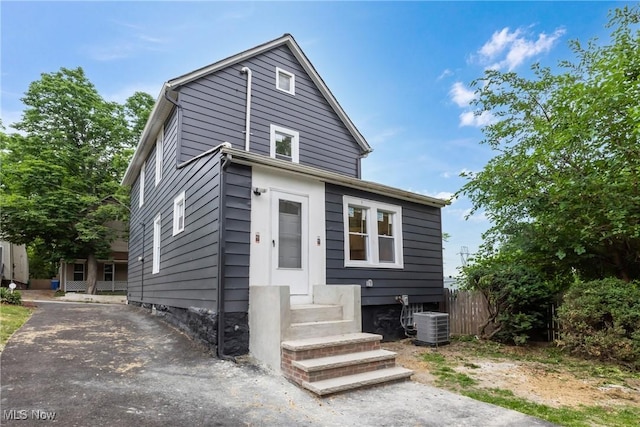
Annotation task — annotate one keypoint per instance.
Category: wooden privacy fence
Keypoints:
(467, 311)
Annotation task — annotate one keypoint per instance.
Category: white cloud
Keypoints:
(444, 195)
(385, 135)
(515, 47)
(446, 73)
(469, 118)
(9, 118)
(498, 43)
(461, 95)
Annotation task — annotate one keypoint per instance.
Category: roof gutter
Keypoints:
(251, 159)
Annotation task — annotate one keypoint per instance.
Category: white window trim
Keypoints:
(143, 168)
(157, 237)
(372, 207)
(176, 217)
(295, 143)
(292, 76)
(159, 155)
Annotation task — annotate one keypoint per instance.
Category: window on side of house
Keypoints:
(285, 144)
(178, 213)
(108, 273)
(155, 268)
(142, 174)
(159, 155)
(78, 272)
(285, 81)
(372, 234)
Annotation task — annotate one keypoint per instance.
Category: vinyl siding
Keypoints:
(188, 273)
(213, 109)
(422, 275)
(237, 226)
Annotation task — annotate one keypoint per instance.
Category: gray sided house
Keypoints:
(250, 225)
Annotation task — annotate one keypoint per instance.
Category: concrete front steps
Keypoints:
(336, 363)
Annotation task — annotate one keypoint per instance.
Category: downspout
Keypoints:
(247, 124)
(141, 259)
(226, 159)
(179, 130)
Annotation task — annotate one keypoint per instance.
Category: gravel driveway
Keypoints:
(116, 365)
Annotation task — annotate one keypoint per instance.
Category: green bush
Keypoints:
(8, 297)
(518, 298)
(601, 319)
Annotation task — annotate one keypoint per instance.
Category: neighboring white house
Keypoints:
(14, 264)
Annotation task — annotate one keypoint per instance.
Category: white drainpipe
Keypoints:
(247, 126)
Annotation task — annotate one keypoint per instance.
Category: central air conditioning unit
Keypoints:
(432, 328)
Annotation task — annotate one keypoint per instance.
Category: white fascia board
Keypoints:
(159, 114)
(250, 159)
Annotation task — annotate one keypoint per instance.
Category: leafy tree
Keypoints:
(60, 179)
(567, 168)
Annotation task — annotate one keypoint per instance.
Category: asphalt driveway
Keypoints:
(116, 365)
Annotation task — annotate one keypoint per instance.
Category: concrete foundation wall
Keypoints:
(385, 320)
(202, 325)
(269, 317)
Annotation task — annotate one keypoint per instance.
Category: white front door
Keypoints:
(287, 233)
(290, 241)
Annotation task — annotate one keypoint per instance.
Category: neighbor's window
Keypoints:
(159, 155)
(108, 272)
(284, 144)
(142, 173)
(178, 214)
(155, 268)
(373, 234)
(78, 272)
(285, 81)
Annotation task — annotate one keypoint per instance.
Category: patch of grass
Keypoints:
(11, 318)
(583, 416)
(59, 293)
(445, 374)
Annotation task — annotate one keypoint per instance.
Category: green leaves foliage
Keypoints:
(601, 319)
(567, 164)
(60, 177)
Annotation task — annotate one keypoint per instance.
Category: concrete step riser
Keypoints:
(316, 314)
(336, 350)
(352, 382)
(315, 330)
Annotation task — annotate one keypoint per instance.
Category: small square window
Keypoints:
(285, 81)
(284, 144)
(178, 214)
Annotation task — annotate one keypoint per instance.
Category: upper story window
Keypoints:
(284, 144)
(285, 81)
(178, 214)
(159, 155)
(372, 234)
(142, 173)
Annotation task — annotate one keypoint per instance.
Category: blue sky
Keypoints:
(401, 71)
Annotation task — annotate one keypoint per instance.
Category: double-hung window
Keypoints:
(372, 234)
(142, 174)
(284, 144)
(178, 214)
(159, 155)
(157, 235)
(78, 272)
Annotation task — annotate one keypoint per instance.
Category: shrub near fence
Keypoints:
(467, 311)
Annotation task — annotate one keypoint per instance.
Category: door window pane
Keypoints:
(289, 234)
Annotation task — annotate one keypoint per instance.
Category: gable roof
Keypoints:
(165, 102)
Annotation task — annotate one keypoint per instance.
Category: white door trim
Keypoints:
(260, 266)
